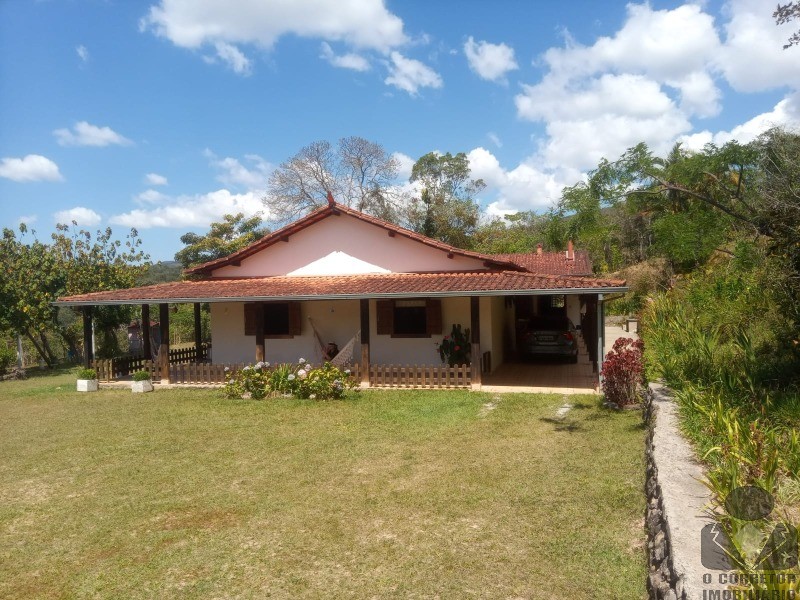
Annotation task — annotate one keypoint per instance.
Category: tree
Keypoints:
(233, 233)
(358, 173)
(784, 14)
(446, 209)
(75, 262)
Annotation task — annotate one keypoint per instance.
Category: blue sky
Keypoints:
(167, 115)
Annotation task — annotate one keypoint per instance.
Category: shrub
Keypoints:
(301, 380)
(87, 374)
(141, 376)
(327, 381)
(454, 349)
(623, 372)
(7, 358)
(252, 381)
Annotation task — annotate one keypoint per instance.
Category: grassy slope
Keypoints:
(181, 493)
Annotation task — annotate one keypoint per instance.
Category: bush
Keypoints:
(141, 376)
(301, 380)
(623, 372)
(8, 357)
(454, 349)
(87, 374)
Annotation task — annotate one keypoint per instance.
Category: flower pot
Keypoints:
(87, 385)
(140, 387)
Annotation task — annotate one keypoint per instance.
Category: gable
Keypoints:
(343, 244)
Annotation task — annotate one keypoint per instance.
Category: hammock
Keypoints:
(344, 356)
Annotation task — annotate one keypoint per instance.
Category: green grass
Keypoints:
(385, 494)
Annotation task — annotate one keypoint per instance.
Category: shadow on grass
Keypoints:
(570, 426)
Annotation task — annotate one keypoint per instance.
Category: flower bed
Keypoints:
(301, 379)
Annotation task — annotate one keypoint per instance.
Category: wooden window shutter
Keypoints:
(249, 319)
(434, 316)
(384, 311)
(295, 323)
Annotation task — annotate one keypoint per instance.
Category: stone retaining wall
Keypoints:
(675, 507)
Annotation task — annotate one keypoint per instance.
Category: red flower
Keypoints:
(457, 348)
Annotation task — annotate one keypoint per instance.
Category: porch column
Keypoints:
(198, 342)
(259, 331)
(88, 349)
(475, 334)
(163, 349)
(601, 335)
(147, 348)
(364, 312)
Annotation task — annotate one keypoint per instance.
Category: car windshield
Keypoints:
(549, 324)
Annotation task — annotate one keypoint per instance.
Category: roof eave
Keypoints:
(376, 296)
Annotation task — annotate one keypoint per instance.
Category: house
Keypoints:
(338, 274)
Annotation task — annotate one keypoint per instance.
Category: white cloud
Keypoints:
(155, 179)
(254, 176)
(353, 61)
(405, 164)
(80, 214)
(490, 61)
(234, 58)
(752, 57)
(494, 139)
(86, 134)
(32, 167)
(409, 75)
(786, 114)
(362, 23)
(151, 197)
(28, 219)
(524, 187)
(83, 53)
(198, 210)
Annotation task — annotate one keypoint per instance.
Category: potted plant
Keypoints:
(87, 380)
(141, 382)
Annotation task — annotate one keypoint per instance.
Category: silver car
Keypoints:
(549, 336)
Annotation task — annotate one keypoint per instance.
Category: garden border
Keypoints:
(676, 501)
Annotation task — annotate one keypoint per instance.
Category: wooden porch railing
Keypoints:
(413, 376)
(110, 369)
(380, 376)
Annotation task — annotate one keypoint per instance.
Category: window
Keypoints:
(281, 319)
(557, 301)
(409, 318)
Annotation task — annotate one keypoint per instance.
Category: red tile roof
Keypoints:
(553, 263)
(350, 286)
(333, 210)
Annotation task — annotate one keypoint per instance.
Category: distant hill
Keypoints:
(162, 272)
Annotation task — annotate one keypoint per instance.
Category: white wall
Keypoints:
(574, 309)
(337, 321)
(345, 245)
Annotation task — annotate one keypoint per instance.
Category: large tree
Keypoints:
(75, 262)
(225, 237)
(358, 173)
(445, 208)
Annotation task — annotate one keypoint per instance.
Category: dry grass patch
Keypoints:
(409, 494)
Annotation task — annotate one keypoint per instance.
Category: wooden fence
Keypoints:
(413, 376)
(380, 376)
(200, 373)
(109, 369)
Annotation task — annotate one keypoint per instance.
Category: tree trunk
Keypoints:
(39, 350)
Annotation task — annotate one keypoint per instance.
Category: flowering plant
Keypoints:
(301, 380)
(454, 349)
(623, 372)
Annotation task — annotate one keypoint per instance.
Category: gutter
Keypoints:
(377, 296)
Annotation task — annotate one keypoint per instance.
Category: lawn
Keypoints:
(416, 494)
